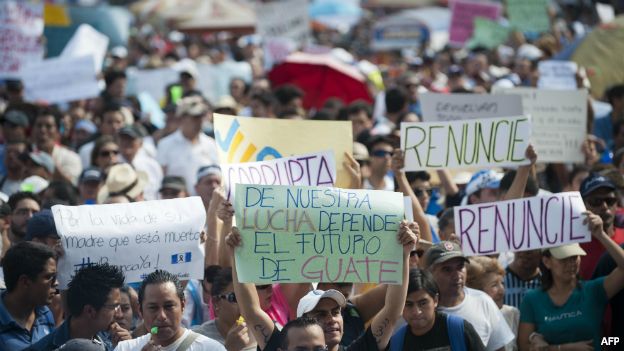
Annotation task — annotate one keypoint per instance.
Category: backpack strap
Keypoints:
(188, 341)
(455, 326)
(397, 340)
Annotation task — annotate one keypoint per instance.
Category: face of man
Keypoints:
(89, 189)
(450, 276)
(43, 287)
(129, 146)
(12, 154)
(258, 109)
(602, 202)
(528, 260)
(109, 311)
(124, 319)
(11, 131)
(45, 130)
(117, 88)
(112, 122)
(381, 156)
(422, 189)
(327, 313)
(308, 338)
(163, 308)
(206, 185)
(24, 210)
(360, 122)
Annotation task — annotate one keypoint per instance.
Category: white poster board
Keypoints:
(137, 237)
(21, 31)
(452, 107)
(519, 225)
(557, 75)
(283, 19)
(87, 41)
(493, 142)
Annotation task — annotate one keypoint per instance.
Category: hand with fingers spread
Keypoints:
(353, 168)
(594, 223)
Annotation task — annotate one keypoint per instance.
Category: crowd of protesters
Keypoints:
(105, 150)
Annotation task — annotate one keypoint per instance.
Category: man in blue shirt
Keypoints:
(30, 276)
(603, 126)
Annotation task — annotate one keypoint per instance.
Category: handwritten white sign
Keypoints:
(451, 107)
(87, 41)
(557, 75)
(283, 19)
(21, 29)
(315, 169)
(519, 225)
(138, 237)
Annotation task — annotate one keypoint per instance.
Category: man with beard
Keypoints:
(23, 206)
(598, 193)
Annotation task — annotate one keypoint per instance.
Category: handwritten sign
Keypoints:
(559, 120)
(495, 142)
(451, 107)
(398, 34)
(242, 139)
(488, 34)
(557, 75)
(317, 169)
(87, 41)
(518, 225)
(463, 14)
(528, 15)
(283, 19)
(311, 234)
(21, 30)
(138, 237)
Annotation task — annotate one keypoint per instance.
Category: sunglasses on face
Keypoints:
(418, 253)
(231, 297)
(107, 153)
(598, 201)
(420, 192)
(381, 153)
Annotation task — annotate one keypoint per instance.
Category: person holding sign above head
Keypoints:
(566, 313)
(326, 306)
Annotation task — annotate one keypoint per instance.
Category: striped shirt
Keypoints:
(516, 288)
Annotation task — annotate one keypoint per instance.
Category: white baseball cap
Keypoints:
(311, 299)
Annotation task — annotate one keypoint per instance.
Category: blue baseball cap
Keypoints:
(41, 225)
(593, 182)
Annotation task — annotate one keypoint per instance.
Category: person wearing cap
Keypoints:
(89, 184)
(40, 164)
(82, 345)
(14, 165)
(599, 195)
(23, 206)
(567, 312)
(41, 229)
(209, 178)
(123, 181)
(30, 276)
(326, 306)
(83, 131)
(132, 150)
(447, 263)
(173, 187)
(188, 149)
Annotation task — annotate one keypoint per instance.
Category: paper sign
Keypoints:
(606, 13)
(137, 237)
(488, 34)
(60, 79)
(285, 19)
(21, 31)
(244, 139)
(317, 169)
(463, 16)
(559, 119)
(311, 234)
(519, 225)
(87, 41)
(452, 107)
(557, 75)
(399, 35)
(494, 142)
(528, 15)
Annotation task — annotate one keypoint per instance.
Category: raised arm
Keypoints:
(353, 168)
(256, 319)
(516, 190)
(225, 213)
(614, 282)
(211, 246)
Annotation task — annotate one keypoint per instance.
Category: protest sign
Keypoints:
(605, 12)
(316, 169)
(243, 139)
(452, 107)
(559, 119)
(137, 237)
(519, 225)
(557, 75)
(312, 234)
(283, 19)
(398, 34)
(494, 142)
(488, 34)
(21, 31)
(60, 79)
(528, 15)
(87, 41)
(463, 16)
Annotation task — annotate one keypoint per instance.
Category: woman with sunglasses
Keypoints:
(226, 327)
(566, 313)
(105, 153)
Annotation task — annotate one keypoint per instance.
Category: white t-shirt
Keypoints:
(202, 343)
(68, 162)
(480, 310)
(143, 162)
(182, 158)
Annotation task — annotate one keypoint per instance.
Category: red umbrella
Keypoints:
(321, 77)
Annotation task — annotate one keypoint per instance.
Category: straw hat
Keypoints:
(122, 179)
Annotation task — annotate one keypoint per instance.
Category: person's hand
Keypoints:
(118, 333)
(537, 343)
(151, 346)
(225, 211)
(594, 223)
(398, 161)
(530, 154)
(237, 337)
(218, 196)
(408, 236)
(586, 345)
(234, 239)
(353, 168)
(588, 147)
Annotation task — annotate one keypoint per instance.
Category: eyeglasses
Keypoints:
(231, 297)
(108, 153)
(316, 348)
(420, 192)
(263, 287)
(381, 153)
(598, 201)
(116, 307)
(419, 253)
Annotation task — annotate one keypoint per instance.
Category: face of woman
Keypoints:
(108, 155)
(564, 269)
(125, 318)
(419, 311)
(493, 286)
(227, 311)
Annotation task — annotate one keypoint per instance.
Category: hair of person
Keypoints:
(64, 191)
(5, 210)
(614, 92)
(547, 276)
(420, 279)
(99, 144)
(505, 184)
(265, 98)
(302, 323)
(25, 258)
(396, 99)
(111, 76)
(381, 139)
(126, 289)
(157, 277)
(360, 106)
(221, 281)
(21, 195)
(324, 115)
(45, 111)
(420, 175)
(479, 268)
(577, 169)
(447, 217)
(246, 86)
(211, 272)
(91, 286)
(112, 106)
(286, 93)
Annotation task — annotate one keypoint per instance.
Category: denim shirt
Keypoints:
(15, 337)
(59, 337)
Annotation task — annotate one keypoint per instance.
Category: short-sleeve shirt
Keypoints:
(366, 342)
(202, 343)
(15, 337)
(577, 320)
